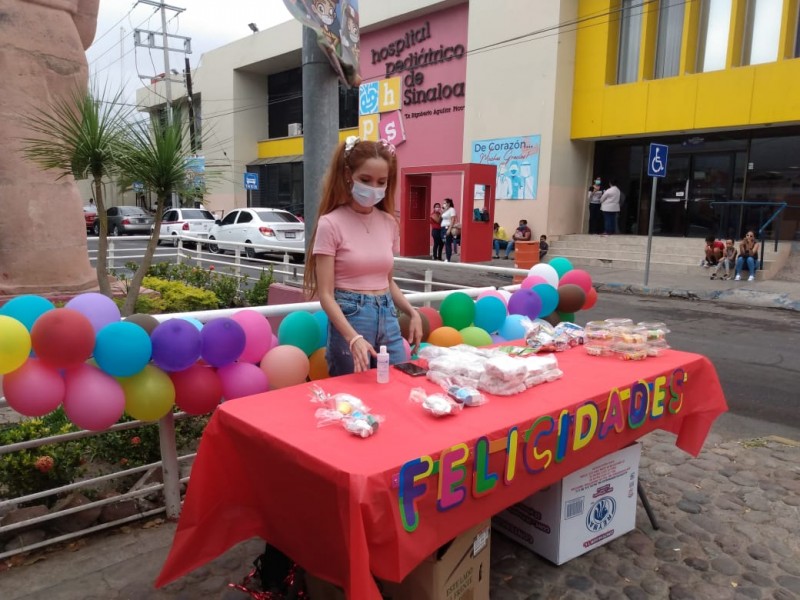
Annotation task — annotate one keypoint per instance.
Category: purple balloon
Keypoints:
(176, 345)
(99, 309)
(223, 341)
(498, 339)
(525, 302)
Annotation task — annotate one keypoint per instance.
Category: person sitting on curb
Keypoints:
(500, 240)
(727, 262)
(713, 252)
(748, 254)
(522, 234)
(543, 247)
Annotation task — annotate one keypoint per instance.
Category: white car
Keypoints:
(191, 222)
(271, 230)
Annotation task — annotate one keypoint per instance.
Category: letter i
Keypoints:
(512, 449)
(564, 421)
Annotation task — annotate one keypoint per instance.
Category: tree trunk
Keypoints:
(136, 281)
(102, 239)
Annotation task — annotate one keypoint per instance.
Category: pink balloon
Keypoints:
(532, 280)
(258, 335)
(494, 294)
(407, 348)
(285, 366)
(577, 277)
(242, 379)
(274, 342)
(34, 389)
(93, 400)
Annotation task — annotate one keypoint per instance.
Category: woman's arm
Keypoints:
(360, 348)
(401, 302)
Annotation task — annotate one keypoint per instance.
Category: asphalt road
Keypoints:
(755, 351)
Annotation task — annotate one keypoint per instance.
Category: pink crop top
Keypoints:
(363, 247)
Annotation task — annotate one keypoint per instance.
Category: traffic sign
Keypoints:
(657, 160)
(251, 181)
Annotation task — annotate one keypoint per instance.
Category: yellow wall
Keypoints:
(291, 146)
(739, 96)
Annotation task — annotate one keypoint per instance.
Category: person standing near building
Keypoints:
(449, 219)
(595, 214)
(609, 205)
(436, 231)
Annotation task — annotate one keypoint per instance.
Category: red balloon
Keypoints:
(434, 318)
(198, 389)
(591, 299)
(577, 277)
(62, 338)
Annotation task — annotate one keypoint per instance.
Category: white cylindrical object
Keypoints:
(383, 365)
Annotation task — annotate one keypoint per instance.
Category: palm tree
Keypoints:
(154, 155)
(79, 135)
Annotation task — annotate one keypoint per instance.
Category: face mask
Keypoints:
(366, 195)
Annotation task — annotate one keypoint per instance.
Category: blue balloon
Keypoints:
(322, 319)
(196, 322)
(26, 309)
(490, 313)
(512, 328)
(549, 297)
(122, 349)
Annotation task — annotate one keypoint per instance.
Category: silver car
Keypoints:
(190, 222)
(127, 220)
(271, 230)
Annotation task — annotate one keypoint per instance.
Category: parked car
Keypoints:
(192, 222)
(90, 216)
(127, 220)
(272, 231)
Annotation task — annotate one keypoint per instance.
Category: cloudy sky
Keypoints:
(210, 23)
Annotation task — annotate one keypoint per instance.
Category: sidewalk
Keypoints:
(729, 529)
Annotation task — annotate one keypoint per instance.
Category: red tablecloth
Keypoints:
(339, 506)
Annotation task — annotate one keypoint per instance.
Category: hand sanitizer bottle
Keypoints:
(383, 365)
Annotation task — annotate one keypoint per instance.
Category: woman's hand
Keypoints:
(361, 351)
(415, 331)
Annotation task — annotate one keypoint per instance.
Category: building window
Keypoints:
(762, 31)
(630, 36)
(280, 186)
(348, 107)
(670, 33)
(285, 101)
(712, 36)
(797, 34)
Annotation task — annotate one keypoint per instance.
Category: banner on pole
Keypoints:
(336, 24)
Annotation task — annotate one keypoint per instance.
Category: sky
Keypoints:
(113, 60)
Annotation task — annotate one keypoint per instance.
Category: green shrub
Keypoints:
(179, 297)
(38, 469)
(258, 293)
(226, 288)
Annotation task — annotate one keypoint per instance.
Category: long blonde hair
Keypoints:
(336, 191)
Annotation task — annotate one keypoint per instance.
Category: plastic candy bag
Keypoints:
(346, 409)
(439, 405)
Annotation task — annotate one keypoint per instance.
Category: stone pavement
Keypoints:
(730, 528)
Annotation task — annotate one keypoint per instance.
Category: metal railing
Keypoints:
(170, 490)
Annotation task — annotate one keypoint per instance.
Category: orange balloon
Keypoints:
(445, 337)
(318, 366)
(285, 366)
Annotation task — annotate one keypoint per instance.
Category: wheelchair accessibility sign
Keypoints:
(657, 161)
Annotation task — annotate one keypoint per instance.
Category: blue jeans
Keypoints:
(438, 243)
(374, 317)
(751, 265)
(499, 245)
(610, 222)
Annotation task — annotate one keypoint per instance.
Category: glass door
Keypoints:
(711, 182)
(671, 197)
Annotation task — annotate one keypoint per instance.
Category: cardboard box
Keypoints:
(588, 508)
(458, 571)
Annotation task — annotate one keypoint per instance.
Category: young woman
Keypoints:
(449, 220)
(748, 255)
(351, 262)
(436, 231)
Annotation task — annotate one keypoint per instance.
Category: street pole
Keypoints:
(167, 73)
(650, 230)
(320, 124)
(187, 73)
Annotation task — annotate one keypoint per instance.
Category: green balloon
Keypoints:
(300, 329)
(561, 265)
(475, 336)
(457, 310)
(568, 317)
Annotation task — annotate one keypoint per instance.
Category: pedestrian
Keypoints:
(523, 233)
(436, 231)
(748, 255)
(449, 218)
(713, 252)
(499, 239)
(727, 262)
(350, 268)
(595, 214)
(543, 247)
(609, 206)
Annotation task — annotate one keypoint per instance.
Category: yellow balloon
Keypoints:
(318, 366)
(149, 395)
(15, 344)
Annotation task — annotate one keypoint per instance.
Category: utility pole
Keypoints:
(320, 124)
(187, 75)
